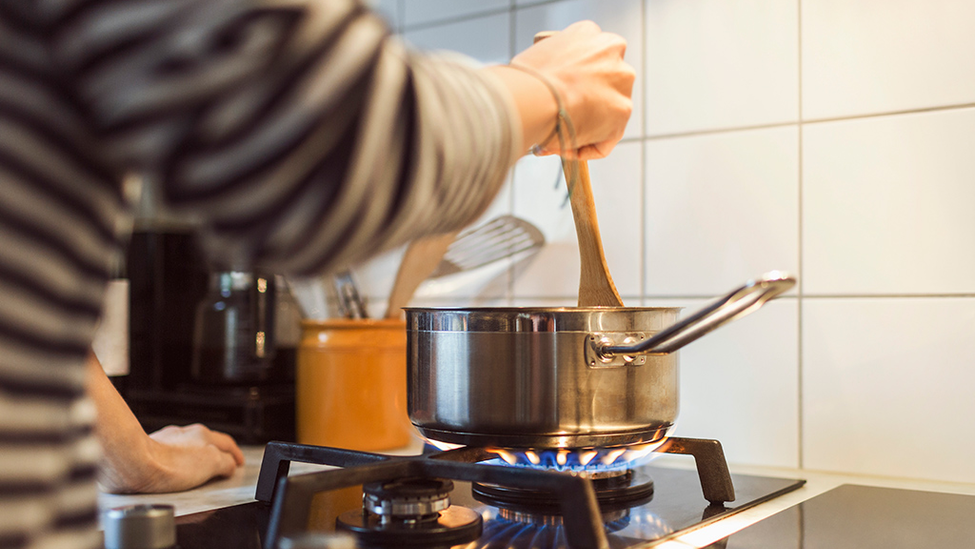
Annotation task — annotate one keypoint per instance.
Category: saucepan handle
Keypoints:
(740, 302)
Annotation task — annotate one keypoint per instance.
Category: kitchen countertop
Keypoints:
(240, 489)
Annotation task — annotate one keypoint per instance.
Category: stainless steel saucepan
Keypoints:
(576, 377)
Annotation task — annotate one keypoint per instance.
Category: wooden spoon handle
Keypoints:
(596, 288)
(421, 258)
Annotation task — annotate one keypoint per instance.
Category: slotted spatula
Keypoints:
(499, 238)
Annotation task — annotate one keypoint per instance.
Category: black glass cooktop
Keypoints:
(864, 517)
(677, 505)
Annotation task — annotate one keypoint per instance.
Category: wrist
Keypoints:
(536, 100)
(129, 470)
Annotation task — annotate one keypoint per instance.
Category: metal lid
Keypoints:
(140, 527)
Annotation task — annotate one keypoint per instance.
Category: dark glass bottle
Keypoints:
(233, 341)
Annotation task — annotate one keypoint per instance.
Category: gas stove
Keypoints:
(472, 498)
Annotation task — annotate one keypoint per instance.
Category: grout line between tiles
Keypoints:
(890, 113)
(717, 131)
(805, 297)
(720, 131)
(890, 296)
(512, 7)
(800, 404)
(451, 20)
(512, 31)
(644, 184)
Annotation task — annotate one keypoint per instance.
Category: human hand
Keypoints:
(586, 66)
(185, 457)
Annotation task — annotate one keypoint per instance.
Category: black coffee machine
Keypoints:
(210, 346)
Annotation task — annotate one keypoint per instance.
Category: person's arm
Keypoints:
(169, 460)
(585, 66)
(306, 137)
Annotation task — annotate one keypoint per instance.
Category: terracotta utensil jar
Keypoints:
(351, 384)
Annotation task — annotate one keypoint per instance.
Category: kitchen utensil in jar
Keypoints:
(500, 238)
(419, 260)
(350, 302)
(558, 377)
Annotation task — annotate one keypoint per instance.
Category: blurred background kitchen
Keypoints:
(830, 138)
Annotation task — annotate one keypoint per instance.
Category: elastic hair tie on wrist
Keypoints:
(562, 120)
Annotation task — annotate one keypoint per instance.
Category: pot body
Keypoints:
(526, 377)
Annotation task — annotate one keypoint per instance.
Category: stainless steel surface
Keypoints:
(736, 304)
(518, 378)
(502, 237)
(140, 527)
(419, 507)
(527, 377)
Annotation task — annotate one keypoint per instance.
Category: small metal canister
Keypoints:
(140, 527)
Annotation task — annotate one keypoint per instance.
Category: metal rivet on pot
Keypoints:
(605, 342)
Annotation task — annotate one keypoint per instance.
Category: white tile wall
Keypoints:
(720, 208)
(869, 365)
(740, 385)
(617, 192)
(887, 204)
(863, 56)
(417, 12)
(887, 386)
(715, 64)
(486, 39)
(390, 10)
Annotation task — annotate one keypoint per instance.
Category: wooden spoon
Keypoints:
(596, 288)
(421, 258)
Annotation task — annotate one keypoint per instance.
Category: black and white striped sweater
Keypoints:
(299, 132)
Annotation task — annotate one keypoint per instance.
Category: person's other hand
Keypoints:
(586, 66)
(172, 459)
(184, 457)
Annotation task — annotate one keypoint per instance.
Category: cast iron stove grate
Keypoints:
(291, 497)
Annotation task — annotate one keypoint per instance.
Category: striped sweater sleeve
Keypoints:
(302, 134)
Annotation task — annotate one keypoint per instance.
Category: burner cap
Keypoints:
(455, 525)
(613, 520)
(407, 497)
(612, 493)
